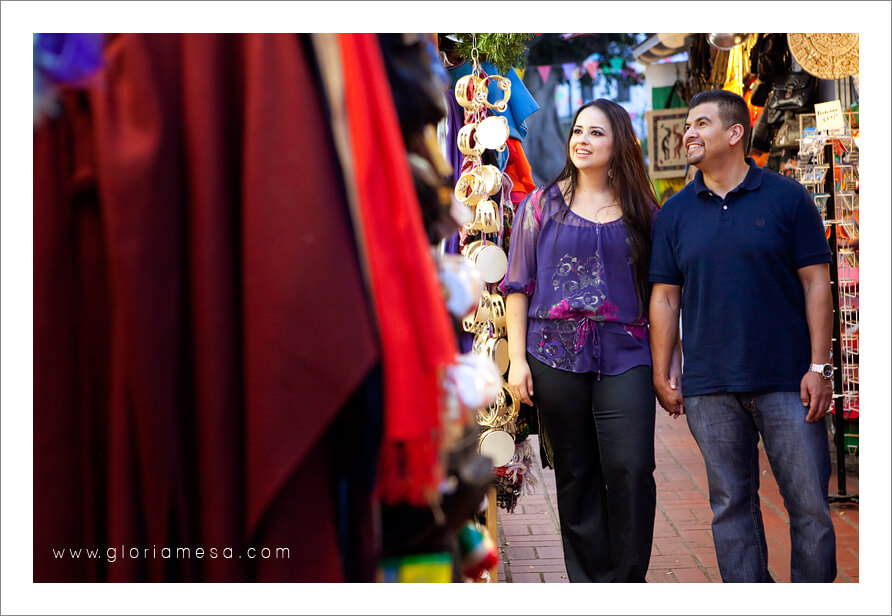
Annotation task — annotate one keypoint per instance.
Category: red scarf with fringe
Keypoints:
(417, 337)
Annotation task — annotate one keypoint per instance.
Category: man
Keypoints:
(741, 252)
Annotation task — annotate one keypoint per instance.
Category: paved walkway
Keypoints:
(530, 543)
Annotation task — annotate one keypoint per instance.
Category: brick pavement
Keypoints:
(530, 543)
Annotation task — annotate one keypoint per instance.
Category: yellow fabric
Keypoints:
(734, 75)
(739, 65)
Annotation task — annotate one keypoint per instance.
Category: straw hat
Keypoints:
(826, 56)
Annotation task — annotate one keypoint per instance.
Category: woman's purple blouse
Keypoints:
(578, 275)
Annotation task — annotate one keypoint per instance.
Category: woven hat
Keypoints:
(826, 56)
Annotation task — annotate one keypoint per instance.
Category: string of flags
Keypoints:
(612, 67)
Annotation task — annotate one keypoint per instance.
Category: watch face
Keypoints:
(828, 371)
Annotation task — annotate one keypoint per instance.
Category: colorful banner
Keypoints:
(569, 68)
(543, 72)
(591, 66)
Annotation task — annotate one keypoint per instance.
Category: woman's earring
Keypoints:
(610, 175)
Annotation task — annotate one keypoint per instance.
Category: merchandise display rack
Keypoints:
(485, 189)
(828, 168)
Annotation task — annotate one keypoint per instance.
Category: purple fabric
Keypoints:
(456, 118)
(456, 121)
(66, 58)
(583, 306)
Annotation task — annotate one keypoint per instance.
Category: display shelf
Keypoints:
(827, 166)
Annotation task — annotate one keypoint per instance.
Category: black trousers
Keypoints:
(602, 433)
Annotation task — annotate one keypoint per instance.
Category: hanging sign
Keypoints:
(828, 117)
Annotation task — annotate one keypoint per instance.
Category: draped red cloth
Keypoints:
(199, 314)
(519, 170)
(417, 338)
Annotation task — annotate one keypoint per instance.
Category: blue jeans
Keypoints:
(726, 428)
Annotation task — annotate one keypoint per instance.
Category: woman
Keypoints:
(577, 294)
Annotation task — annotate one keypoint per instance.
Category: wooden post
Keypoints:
(492, 512)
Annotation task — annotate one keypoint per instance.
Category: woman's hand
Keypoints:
(669, 393)
(520, 381)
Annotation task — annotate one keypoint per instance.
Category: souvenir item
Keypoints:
(460, 213)
(485, 217)
(481, 317)
(497, 350)
(490, 260)
(479, 339)
(416, 568)
(478, 551)
(481, 94)
(492, 133)
(491, 178)
(494, 348)
(462, 283)
(826, 55)
(792, 92)
(474, 379)
(498, 446)
(470, 189)
(497, 315)
(466, 90)
(500, 413)
(467, 141)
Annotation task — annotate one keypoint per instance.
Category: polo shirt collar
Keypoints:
(752, 181)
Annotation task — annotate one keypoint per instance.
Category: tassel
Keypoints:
(478, 551)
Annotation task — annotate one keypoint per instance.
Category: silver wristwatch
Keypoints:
(825, 370)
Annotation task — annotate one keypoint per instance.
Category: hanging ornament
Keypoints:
(478, 551)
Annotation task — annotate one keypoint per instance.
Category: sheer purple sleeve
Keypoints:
(521, 276)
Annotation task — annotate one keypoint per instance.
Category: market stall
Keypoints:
(802, 90)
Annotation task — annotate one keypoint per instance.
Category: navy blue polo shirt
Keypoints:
(743, 308)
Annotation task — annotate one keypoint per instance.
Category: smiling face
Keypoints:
(705, 137)
(591, 140)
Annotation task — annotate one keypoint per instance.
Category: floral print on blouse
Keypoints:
(578, 275)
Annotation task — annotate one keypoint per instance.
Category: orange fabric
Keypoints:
(760, 159)
(753, 109)
(417, 337)
(519, 170)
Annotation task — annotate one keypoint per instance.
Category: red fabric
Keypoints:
(417, 337)
(519, 170)
(199, 315)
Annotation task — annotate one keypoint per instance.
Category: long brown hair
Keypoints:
(627, 175)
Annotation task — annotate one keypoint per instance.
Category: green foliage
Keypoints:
(502, 49)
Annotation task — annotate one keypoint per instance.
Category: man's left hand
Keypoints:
(816, 393)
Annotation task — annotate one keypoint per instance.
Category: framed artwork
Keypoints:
(665, 147)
